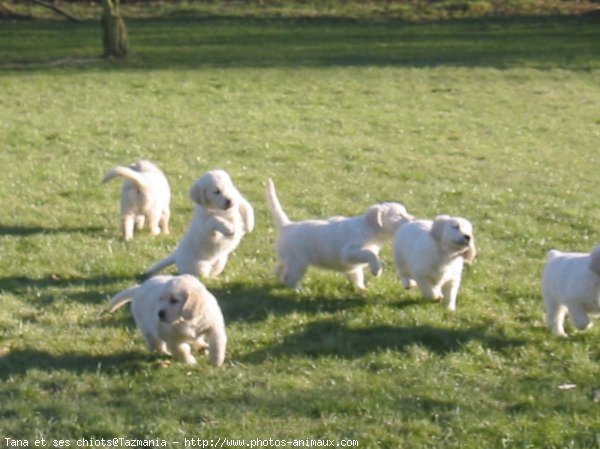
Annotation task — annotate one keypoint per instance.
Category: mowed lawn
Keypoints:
(494, 120)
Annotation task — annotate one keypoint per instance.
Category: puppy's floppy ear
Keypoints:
(471, 252)
(192, 306)
(374, 216)
(198, 191)
(437, 230)
(595, 260)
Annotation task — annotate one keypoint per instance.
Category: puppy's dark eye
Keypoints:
(456, 226)
(217, 192)
(173, 300)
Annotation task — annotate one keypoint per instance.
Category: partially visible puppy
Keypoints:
(571, 284)
(221, 218)
(432, 253)
(175, 314)
(145, 196)
(341, 244)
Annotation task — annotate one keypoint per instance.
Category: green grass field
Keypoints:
(496, 120)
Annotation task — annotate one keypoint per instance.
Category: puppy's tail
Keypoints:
(160, 265)
(120, 299)
(281, 219)
(126, 172)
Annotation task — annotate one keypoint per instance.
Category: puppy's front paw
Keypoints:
(376, 269)
(227, 231)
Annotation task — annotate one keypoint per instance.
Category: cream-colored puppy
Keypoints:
(341, 244)
(221, 218)
(571, 284)
(175, 314)
(145, 196)
(432, 253)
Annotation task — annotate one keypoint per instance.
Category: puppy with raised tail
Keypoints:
(571, 285)
(175, 315)
(222, 216)
(145, 196)
(341, 244)
(432, 254)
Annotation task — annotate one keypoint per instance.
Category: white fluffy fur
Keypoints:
(145, 196)
(432, 253)
(571, 284)
(342, 244)
(175, 314)
(221, 218)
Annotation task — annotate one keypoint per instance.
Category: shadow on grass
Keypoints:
(198, 42)
(72, 288)
(24, 231)
(20, 362)
(243, 303)
(334, 338)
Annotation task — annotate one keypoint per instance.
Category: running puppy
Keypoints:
(175, 314)
(145, 196)
(221, 218)
(432, 254)
(342, 244)
(571, 284)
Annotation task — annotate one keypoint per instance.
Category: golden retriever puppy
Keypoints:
(175, 315)
(341, 244)
(432, 253)
(571, 284)
(221, 218)
(145, 196)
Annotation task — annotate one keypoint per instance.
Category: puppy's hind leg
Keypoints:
(580, 317)
(290, 274)
(140, 221)
(127, 225)
(153, 220)
(405, 276)
(164, 220)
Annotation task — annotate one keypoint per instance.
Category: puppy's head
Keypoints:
(181, 300)
(595, 260)
(456, 235)
(388, 217)
(215, 190)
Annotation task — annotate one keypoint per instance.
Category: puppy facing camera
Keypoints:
(571, 285)
(177, 314)
(431, 255)
(222, 216)
(145, 197)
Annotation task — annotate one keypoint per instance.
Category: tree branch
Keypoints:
(4, 9)
(56, 9)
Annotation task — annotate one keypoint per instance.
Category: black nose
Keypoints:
(161, 314)
(467, 238)
(228, 204)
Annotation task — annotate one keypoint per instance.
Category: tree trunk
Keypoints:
(114, 33)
